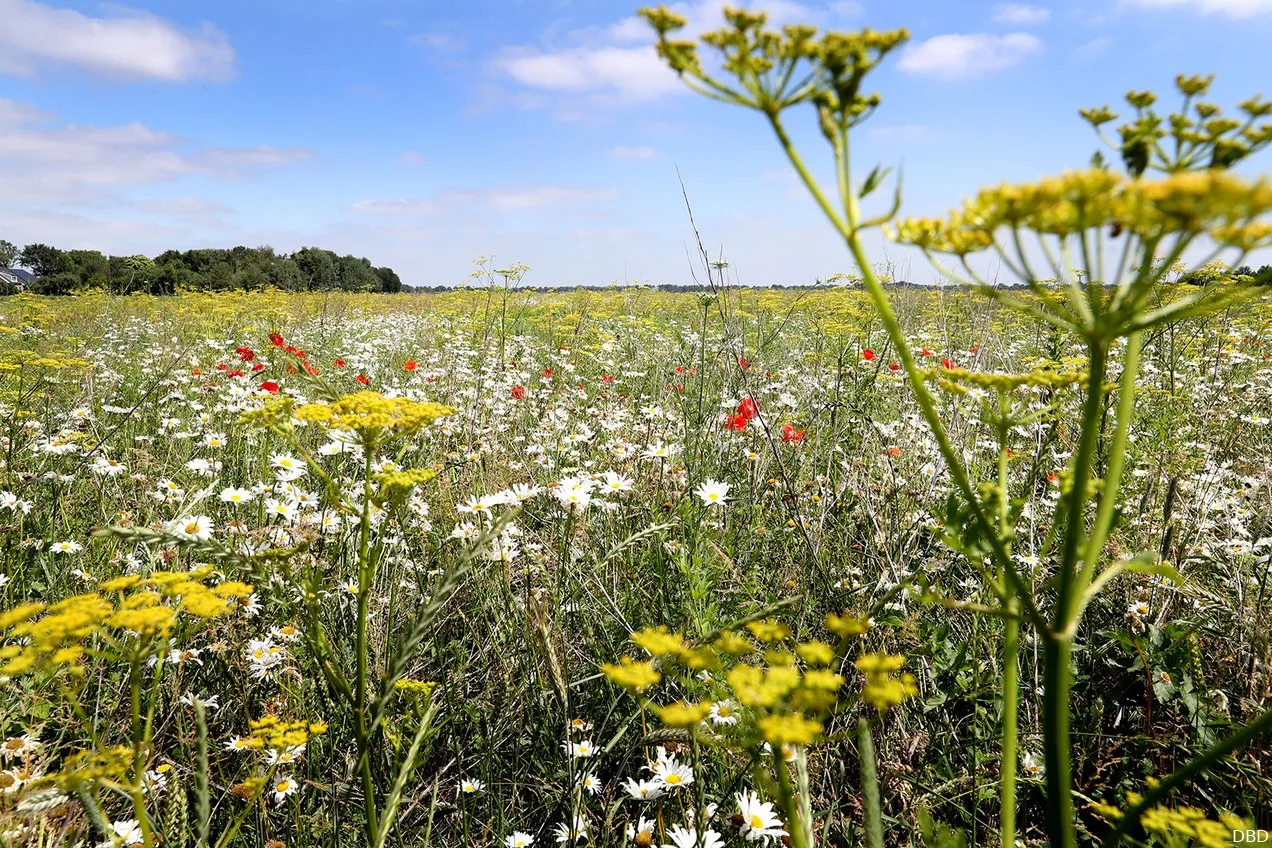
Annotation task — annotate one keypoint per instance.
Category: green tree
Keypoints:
(8, 253)
(43, 260)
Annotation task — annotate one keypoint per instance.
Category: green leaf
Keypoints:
(873, 180)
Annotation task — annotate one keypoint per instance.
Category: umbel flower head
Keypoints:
(374, 417)
(146, 610)
(777, 69)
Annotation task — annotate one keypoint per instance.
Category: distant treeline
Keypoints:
(243, 268)
(1203, 277)
(314, 269)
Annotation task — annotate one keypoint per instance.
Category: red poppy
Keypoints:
(246, 354)
(363, 379)
(257, 366)
(546, 373)
(270, 386)
(894, 367)
(680, 369)
(790, 434)
(748, 408)
(926, 352)
(868, 355)
(893, 451)
(974, 348)
(744, 363)
(236, 372)
(276, 340)
(736, 422)
(409, 365)
(221, 366)
(339, 363)
(680, 387)
(196, 372)
(945, 363)
(607, 378)
(519, 392)
(310, 369)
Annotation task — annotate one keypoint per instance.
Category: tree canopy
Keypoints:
(208, 269)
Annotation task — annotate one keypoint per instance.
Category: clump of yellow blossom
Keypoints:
(373, 416)
(881, 688)
(682, 714)
(53, 637)
(632, 675)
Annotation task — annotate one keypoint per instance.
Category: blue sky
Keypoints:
(426, 134)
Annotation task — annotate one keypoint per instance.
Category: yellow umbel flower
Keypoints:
(373, 416)
(881, 688)
(632, 675)
(658, 641)
(682, 714)
(789, 729)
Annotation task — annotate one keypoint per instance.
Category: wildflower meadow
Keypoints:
(837, 566)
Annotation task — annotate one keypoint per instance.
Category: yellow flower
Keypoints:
(658, 642)
(846, 625)
(789, 729)
(373, 416)
(816, 653)
(769, 630)
(682, 714)
(632, 675)
(733, 644)
(881, 688)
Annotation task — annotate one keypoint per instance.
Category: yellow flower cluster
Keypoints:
(420, 690)
(1187, 823)
(271, 733)
(111, 765)
(847, 625)
(55, 636)
(373, 416)
(881, 688)
(955, 379)
(1212, 202)
(17, 359)
(682, 714)
(631, 674)
(394, 483)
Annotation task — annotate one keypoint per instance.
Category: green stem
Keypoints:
(872, 810)
(365, 581)
(1011, 709)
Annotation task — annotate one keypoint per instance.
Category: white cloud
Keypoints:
(619, 59)
(634, 72)
(1094, 47)
(1019, 14)
(124, 44)
(49, 163)
(530, 197)
(959, 56)
(633, 153)
(399, 206)
(1231, 8)
(500, 199)
(412, 158)
(186, 207)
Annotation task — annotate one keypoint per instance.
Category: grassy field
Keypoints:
(361, 570)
